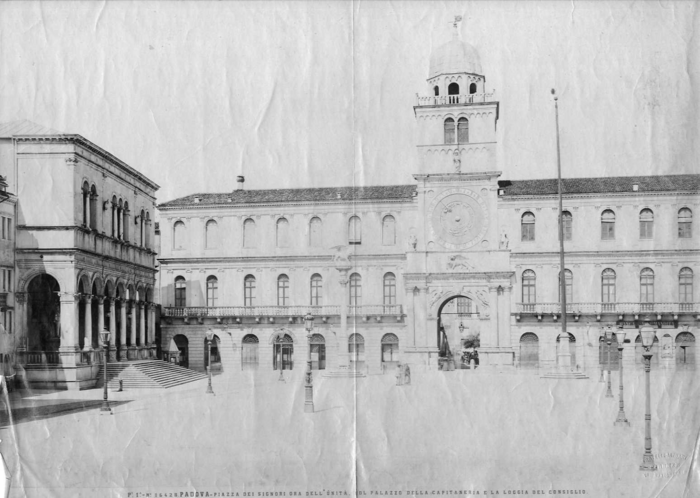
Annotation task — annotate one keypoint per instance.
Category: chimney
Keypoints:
(240, 179)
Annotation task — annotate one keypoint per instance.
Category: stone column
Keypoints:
(122, 331)
(100, 314)
(69, 345)
(87, 301)
(491, 339)
(142, 327)
(112, 330)
(152, 329)
(133, 355)
(504, 315)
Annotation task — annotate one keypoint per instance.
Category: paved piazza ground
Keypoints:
(447, 432)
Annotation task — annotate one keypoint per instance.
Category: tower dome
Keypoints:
(454, 56)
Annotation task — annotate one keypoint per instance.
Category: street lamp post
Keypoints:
(621, 417)
(308, 383)
(648, 335)
(608, 341)
(104, 335)
(210, 336)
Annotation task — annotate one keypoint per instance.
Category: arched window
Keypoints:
(142, 231)
(114, 216)
(355, 230)
(316, 232)
(569, 286)
(685, 223)
(249, 233)
(147, 230)
(529, 350)
(212, 291)
(86, 204)
(249, 291)
(567, 224)
(211, 234)
(355, 290)
(462, 131)
(93, 207)
(529, 290)
(125, 222)
(388, 231)
(179, 235)
(436, 90)
(453, 92)
(607, 225)
(607, 282)
(389, 289)
(646, 289)
(527, 227)
(390, 352)
(356, 348)
(282, 235)
(449, 127)
(316, 290)
(283, 290)
(472, 89)
(180, 292)
(685, 289)
(646, 224)
(249, 352)
(119, 219)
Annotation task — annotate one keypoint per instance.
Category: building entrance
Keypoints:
(457, 333)
(284, 353)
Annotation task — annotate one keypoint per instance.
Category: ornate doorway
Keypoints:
(283, 359)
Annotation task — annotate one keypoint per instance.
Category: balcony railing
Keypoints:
(290, 311)
(473, 98)
(597, 308)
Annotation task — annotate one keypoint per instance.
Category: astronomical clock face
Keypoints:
(459, 218)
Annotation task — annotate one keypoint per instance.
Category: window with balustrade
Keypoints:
(212, 291)
(355, 290)
(211, 234)
(436, 90)
(180, 292)
(389, 289)
(462, 131)
(646, 289)
(608, 287)
(569, 284)
(316, 232)
(529, 290)
(249, 291)
(646, 224)
(472, 88)
(282, 234)
(355, 230)
(527, 227)
(449, 129)
(249, 233)
(453, 94)
(283, 290)
(316, 290)
(685, 289)
(685, 223)
(178, 235)
(388, 231)
(607, 225)
(567, 224)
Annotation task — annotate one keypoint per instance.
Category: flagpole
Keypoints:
(564, 354)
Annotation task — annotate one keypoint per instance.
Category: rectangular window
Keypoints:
(9, 228)
(685, 230)
(249, 293)
(607, 231)
(8, 327)
(528, 232)
(4, 220)
(646, 229)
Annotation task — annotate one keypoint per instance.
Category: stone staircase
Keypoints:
(146, 374)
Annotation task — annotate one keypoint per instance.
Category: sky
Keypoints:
(298, 94)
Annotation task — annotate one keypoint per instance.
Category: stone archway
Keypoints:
(43, 314)
(455, 324)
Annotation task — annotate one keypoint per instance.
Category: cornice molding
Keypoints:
(608, 254)
(285, 204)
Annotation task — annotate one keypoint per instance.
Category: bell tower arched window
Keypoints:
(472, 89)
(463, 131)
(453, 93)
(449, 126)
(436, 89)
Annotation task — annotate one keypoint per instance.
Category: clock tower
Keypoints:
(459, 256)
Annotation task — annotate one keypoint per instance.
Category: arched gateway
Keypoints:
(457, 330)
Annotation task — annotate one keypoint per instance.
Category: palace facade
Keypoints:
(423, 273)
(83, 258)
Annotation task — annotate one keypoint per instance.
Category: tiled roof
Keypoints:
(617, 184)
(25, 127)
(328, 194)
